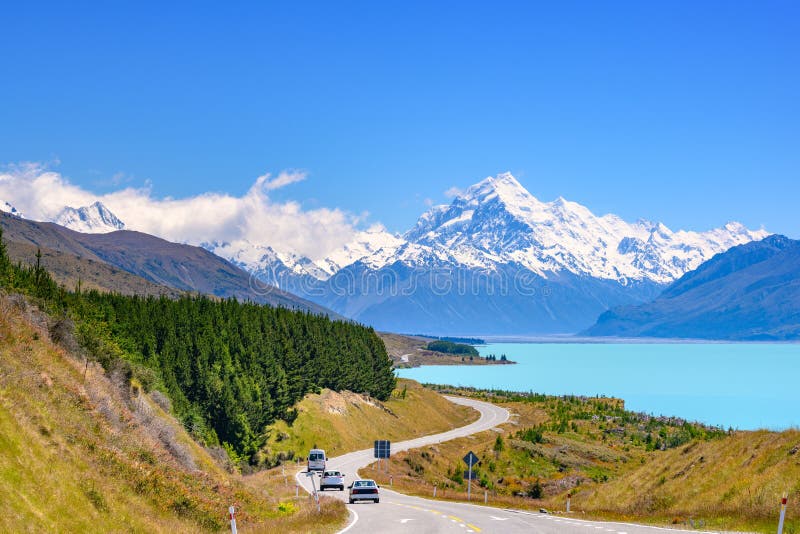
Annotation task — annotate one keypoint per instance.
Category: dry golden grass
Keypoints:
(344, 422)
(735, 482)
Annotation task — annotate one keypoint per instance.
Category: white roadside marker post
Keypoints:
(569, 497)
(232, 512)
(783, 514)
(434, 491)
(485, 497)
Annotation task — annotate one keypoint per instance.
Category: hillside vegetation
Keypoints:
(617, 464)
(412, 351)
(82, 449)
(449, 347)
(344, 422)
(230, 368)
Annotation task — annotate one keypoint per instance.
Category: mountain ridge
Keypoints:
(514, 264)
(750, 292)
(494, 245)
(178, 266)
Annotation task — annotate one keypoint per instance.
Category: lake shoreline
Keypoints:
(747, 386)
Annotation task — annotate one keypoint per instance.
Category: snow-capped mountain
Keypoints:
(498, 261)
(497, 221)
(282, 268)
(8, 208)
(93, 219)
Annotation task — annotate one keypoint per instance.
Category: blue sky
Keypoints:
(683, 112)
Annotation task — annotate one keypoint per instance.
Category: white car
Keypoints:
(332, 479)
(364, 490)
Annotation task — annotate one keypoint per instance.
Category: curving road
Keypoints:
(398, 513)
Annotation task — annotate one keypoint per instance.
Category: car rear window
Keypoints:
(364, 483)
(315, 456)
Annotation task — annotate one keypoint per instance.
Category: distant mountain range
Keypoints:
(98, 256)
(496, 260)
(750, 292)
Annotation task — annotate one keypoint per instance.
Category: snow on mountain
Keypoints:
(374, 246)
(497, 221)
(270, 265)
(282, 268)
(93, 219)
(8, 208)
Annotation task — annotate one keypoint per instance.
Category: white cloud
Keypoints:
(282, 180)
(41, 194)
(453, 192)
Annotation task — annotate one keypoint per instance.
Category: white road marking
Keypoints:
(498, 518)
(404, 521)
(351, 525)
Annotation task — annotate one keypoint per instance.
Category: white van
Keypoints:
(316, 460)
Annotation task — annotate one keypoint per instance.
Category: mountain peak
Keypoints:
(8, 208)
(93, 219)
(504, 186)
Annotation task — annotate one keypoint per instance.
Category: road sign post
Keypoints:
(470, 459)
(314, 493)
(783, 514)
(382, 451)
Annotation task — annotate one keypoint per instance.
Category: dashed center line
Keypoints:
(469, 527)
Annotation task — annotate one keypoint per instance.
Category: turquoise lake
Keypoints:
(741, 385)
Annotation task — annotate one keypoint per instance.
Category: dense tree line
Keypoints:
(448, 347)
(231, 368)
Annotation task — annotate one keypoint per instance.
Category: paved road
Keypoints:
(398, 513)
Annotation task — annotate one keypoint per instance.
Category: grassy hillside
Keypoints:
(84, 450)
(343, 422)
(740, 476)
(617, 464)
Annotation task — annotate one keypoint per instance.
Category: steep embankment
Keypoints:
(82, 450)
